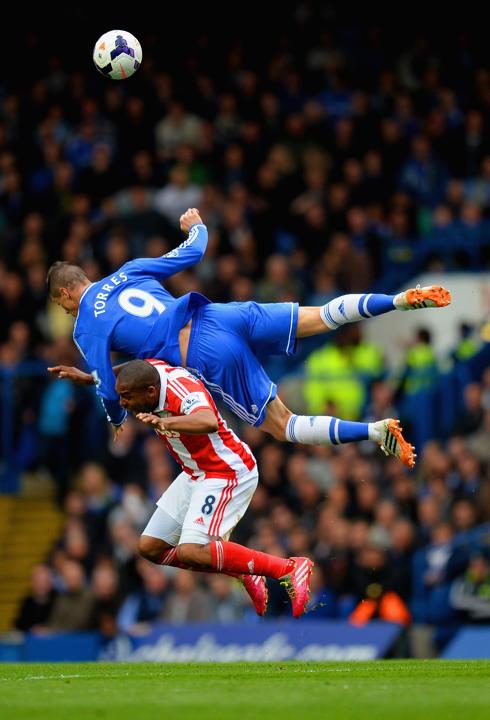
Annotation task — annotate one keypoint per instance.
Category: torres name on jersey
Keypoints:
(218, 454)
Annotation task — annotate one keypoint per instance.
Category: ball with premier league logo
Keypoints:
(117, 54)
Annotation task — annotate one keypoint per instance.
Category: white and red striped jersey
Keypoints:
(218, 454)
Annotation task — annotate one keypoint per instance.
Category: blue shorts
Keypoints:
(225, 347)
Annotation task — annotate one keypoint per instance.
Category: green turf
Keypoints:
(433, 689)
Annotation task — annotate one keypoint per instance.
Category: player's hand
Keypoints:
(117, 429)
(64, 372)
(189, 218)
(151, 419)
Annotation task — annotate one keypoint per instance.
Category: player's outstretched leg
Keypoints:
(325, 430)
(351, 308)
(229, 557)
(255, 585)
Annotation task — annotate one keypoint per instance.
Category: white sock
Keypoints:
(309, 429)
(326, 430)
(400, 301)
(375, 431)
(344, 309)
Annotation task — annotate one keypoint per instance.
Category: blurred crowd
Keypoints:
(325, 157)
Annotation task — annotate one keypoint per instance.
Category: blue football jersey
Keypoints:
(131, 312)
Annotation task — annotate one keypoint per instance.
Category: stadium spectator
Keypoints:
(107, 599)
(470, 593)
(187, 602)
(37, 606)
(74, 606)
(144, 605)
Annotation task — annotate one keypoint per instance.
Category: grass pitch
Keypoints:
(434, 689)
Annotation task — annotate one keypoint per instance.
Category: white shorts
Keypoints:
(192, 511)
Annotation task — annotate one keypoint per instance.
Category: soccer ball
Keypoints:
(117, 54)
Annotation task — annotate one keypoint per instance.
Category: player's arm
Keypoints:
(200, 422)
(65, 372)
(182, 257)
(96, 351)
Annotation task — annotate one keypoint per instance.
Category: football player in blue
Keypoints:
(221, 343)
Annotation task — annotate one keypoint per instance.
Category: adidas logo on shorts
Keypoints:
(199, 521)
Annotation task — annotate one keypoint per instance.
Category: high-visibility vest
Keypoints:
(339, 376)
(368, 360)
(389, 606)
(421, 368)
(466, 349)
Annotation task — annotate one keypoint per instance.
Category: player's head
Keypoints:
(138, 385)
(66, 283)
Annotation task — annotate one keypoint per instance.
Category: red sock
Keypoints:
(169, 557)
(229, 556)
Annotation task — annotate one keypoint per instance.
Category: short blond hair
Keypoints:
(64, 274)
